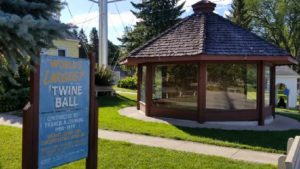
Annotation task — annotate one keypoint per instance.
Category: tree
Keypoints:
(27, 26)
(84, 46)
(113, 50)
(279, 22)
(94, 42)
(239, 14)
(113, 54)
(155, 17)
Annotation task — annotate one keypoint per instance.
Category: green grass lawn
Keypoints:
(109, 118)
(292, 113)
(120, 155)
(116, 88)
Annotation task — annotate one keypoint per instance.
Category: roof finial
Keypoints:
(204, 6)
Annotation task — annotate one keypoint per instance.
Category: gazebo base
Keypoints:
(268, 121)
(280, 123)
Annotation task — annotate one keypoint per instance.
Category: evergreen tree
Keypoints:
(84, 46)
(113, 54)
(239, 14)
(155, 17)
(113, 50)
(94, 42)
(26, 27)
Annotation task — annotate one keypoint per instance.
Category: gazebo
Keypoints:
(206, 68)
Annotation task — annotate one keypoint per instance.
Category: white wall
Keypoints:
(291, 84)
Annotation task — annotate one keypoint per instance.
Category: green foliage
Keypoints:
(14, 99)
(113, 54)
(94, 42)
(113, 50)
(278, 21)
(155, 17)
(21, 79)
(14, 95)
(104, 76)
(84, 46)
(129, 82)
(239, 14)
(26, 27)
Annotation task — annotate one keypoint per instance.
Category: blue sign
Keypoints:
(63, 110)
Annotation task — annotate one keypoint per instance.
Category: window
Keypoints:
(231, 86)
(143, 85)
(175, 86)
(267, 85)
(61, 52)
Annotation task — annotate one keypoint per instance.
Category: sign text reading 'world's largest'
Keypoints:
(63, 110)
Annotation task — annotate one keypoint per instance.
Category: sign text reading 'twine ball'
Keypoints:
(63, 110)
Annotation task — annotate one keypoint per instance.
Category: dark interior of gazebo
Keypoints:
(206, 68)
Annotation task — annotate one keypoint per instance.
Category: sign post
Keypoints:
(60, 122)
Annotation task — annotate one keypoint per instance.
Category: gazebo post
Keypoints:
(260, 93)
(149, 75)
(201, 91)
(273, 90)
(139, 82)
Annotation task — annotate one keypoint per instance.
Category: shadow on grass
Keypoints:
(295, 116)
(115, 101)
(276, 140)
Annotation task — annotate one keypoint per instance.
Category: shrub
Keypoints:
(129, 82)
(104, 76)
(14, 99)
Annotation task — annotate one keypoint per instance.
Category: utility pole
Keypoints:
(102, 47)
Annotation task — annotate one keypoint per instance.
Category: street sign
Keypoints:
(63, 110)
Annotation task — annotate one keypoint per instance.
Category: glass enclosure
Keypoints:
(267, 85)
(143, 85)
(231, 86)
(175, 86)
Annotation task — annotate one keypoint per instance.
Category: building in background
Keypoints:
(287, 85)
(69, 46)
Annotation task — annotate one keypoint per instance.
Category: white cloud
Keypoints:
(91, 19)
(115, 21)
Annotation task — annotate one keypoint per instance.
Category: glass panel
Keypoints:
(175, 86)
(267, 85)
(231, 86)
(143, 85)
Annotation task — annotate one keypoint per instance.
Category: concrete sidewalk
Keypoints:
(187, 146)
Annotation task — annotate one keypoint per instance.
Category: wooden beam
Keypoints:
(139, 82)
(201, 92)
(260, 93)
(149, 77)
(272, 59)
(92, 159)
(30, 123)
(273, 89)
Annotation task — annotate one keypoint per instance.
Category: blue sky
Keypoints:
(85, 14)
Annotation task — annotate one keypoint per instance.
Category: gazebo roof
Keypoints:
(207, 36)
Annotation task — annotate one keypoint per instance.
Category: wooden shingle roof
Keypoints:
(206, 33)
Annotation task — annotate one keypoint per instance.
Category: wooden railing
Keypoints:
(292, 159)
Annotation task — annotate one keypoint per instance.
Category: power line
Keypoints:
(81, 40)
(116, 6)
